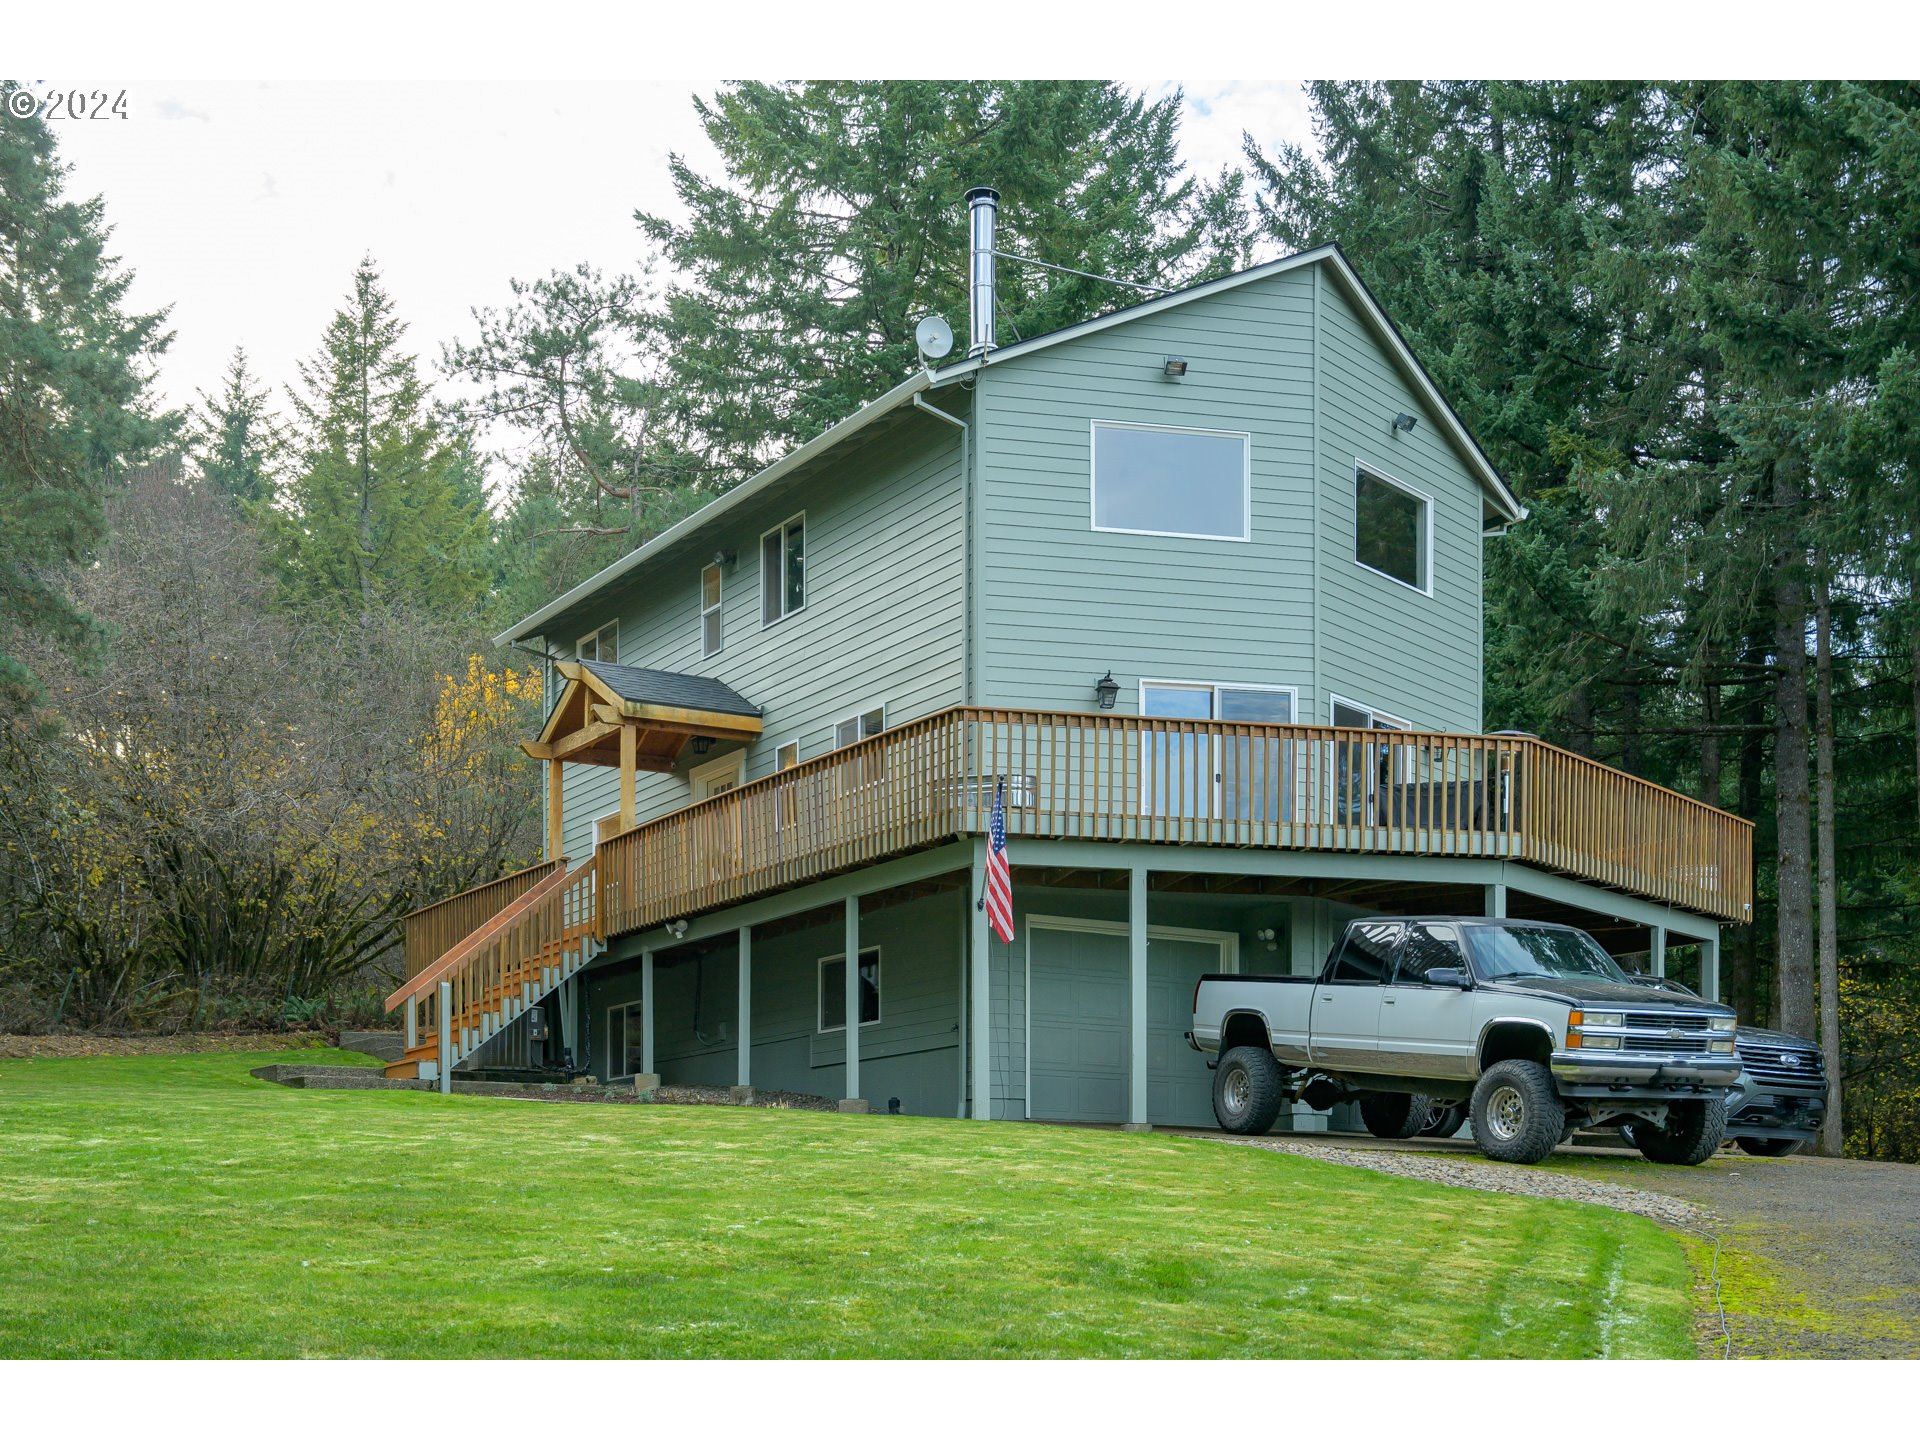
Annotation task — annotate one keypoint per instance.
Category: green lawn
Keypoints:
(178, 1207)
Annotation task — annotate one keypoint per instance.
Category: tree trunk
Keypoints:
(1630, 728)
(1710, 742)
(1743, 969)
(1793, 964)
(1580, 721)
(1914, 655)
(1830, 1129)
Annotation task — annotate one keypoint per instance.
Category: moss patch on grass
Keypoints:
(178, 1207)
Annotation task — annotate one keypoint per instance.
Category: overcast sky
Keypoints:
(244, 205)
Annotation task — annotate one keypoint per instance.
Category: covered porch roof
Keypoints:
(662, 709)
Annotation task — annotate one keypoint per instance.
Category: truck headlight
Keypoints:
(1598, 1042)
(1723, 1024)
(1587, 1019)
(1720, 1047)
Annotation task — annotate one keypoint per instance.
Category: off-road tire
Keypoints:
(1393, 1116)
(1775, 1149)
(1247, 1091)
(1693, 1131)
(1444, 1121)
(1517, 1115)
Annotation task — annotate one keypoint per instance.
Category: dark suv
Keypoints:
(1781, 1097)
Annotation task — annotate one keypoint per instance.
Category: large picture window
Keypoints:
(1155, 480)
(833, 990)
(1392, 529)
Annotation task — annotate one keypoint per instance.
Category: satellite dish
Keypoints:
(934, 337)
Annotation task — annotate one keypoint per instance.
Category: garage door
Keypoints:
(1079, 1026)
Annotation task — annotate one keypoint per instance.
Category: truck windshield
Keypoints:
(1501, 952)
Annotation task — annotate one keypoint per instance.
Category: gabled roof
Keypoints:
(904, 393)
(671, 690)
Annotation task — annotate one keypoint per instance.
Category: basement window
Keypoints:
(833, 990)
(783, 570)
(1392, 529)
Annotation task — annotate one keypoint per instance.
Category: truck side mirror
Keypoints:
(1450, 977)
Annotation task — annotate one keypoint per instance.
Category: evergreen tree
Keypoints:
(383, 507)
(75, 408)
(236, 440)
(839, 223)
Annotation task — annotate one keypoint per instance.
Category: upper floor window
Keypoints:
(603, 644)
(783, 570)
(1392, 529)
(710, 610)
(867, 767)
(1157, 480)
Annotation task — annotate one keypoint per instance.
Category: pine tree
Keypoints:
(75, 407)
(382, 508)
(236, 441)
(839, 223)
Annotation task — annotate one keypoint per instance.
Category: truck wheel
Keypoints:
(1246, 1091)
(1775, 1148)
(1692, 1133)
(1517, 1115)
(1443, 1121)
(1393, 1116)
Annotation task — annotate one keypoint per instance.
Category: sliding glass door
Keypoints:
(1201, 776)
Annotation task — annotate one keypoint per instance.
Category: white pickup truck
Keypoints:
(1532, 1028)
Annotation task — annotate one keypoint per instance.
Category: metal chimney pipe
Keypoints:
(983, 204)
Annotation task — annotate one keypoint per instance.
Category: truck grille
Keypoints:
(1665, 1044)
(1664, 1020)
(1768, 1065)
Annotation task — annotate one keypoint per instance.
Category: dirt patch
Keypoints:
(720, 1095)
(68, 1047)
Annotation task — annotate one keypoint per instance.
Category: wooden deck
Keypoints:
(1083, 776)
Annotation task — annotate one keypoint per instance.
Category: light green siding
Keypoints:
(1288, 361)
(1064, 602)
(883, 622)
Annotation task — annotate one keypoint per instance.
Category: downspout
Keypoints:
(968, 689)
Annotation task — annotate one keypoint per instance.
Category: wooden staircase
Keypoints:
(518, 957)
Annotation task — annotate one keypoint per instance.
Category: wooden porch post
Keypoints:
(629, 763)
(852, 977)
(555, 829)
(1137, 1006)
(1657, 949)
(746, 1007)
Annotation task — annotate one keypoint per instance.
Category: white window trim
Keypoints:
(718, 606)
(860, 714)
(594, 635)
(1375, 716)
(807, 587)
(1404, 488)
(1214, 687)
(1245, 437)
(734, 761)
(792, 742)
(613, 1013)
(820, 992)
(593, 831)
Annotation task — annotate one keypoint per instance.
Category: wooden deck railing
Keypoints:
(433, 930)
(518, 955)
(1074, 775)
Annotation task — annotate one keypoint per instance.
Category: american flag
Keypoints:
(999, 897)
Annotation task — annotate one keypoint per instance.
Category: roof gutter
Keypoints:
(535, 623)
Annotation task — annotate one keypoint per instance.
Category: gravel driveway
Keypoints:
(1820, 1258)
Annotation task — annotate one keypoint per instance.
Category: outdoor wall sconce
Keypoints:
(724, 559)
(1107, 690)
(1404, 421)
(1175, 367)
(702, 744)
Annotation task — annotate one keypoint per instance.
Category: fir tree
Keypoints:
(235, 438)
(382, 508)
(75, 408)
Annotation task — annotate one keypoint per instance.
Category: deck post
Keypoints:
(646, 1013)
(412, 1011)
(446, 1037)
(981, 987)
(629, 764)
(1137, 999)
(1657, 949)
(1497, 901)
(1710, 966)
(745, 1025)
(556, 830)
(852, 979)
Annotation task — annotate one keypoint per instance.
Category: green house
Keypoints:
(1192, 589)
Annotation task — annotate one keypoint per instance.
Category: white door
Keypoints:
(716, 777)
(1346, 1009)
